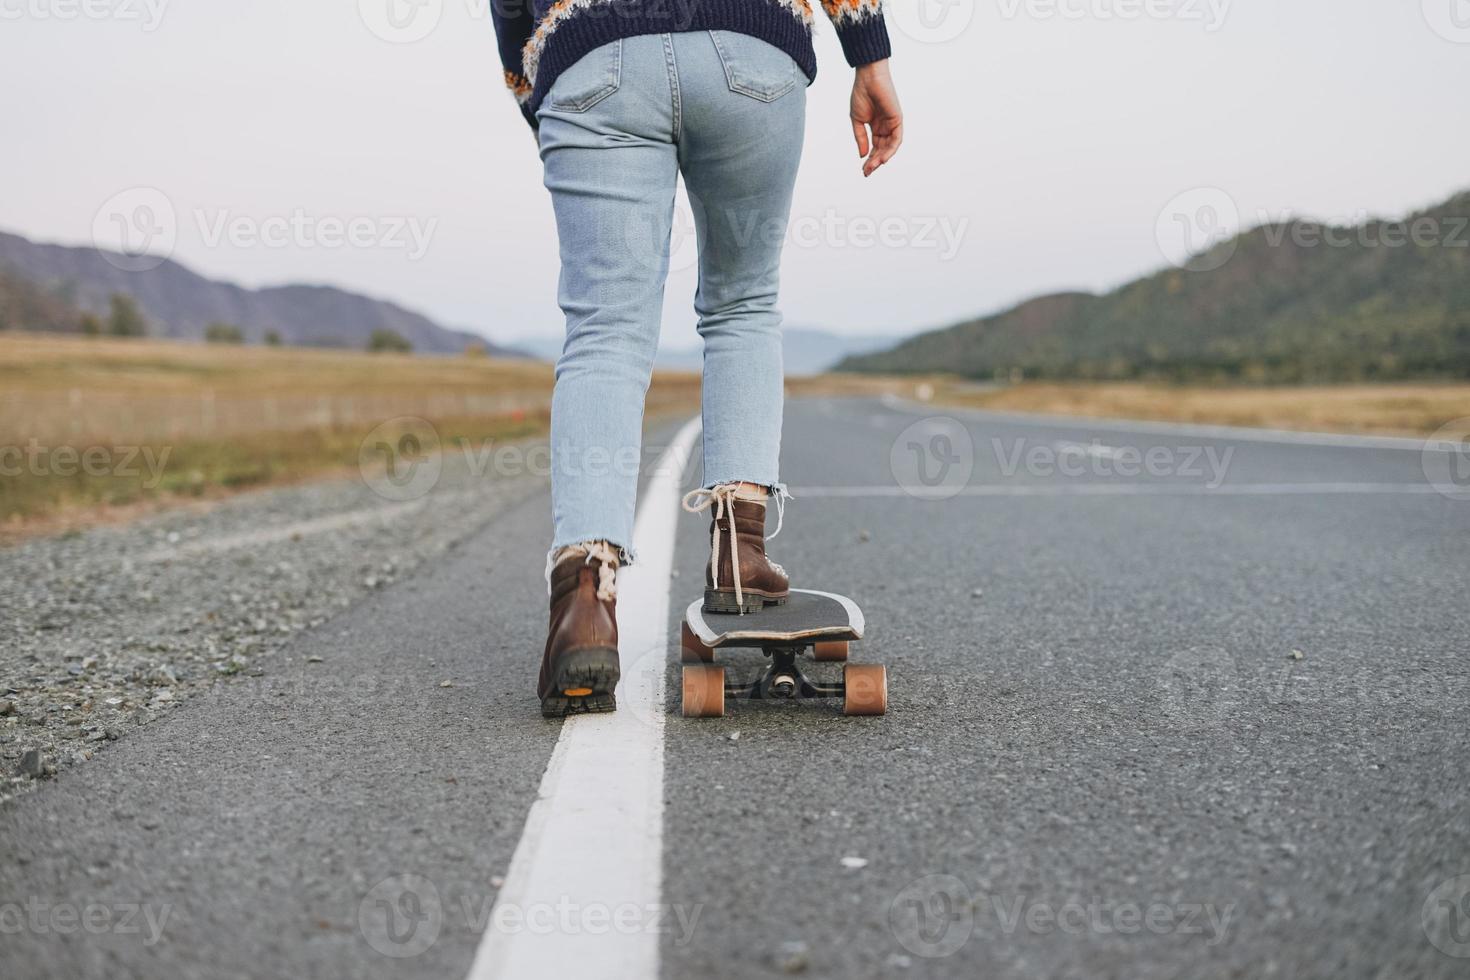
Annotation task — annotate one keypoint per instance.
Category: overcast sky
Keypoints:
(1051, 144)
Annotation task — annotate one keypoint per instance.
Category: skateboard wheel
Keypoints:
(692, 649)
(704, 691)
(830, 651)
(865, 689)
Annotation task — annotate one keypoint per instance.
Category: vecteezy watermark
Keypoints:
(655, 237)
(400, 459)
(1210, 13)
(1101, 917)
(933, 459)
(403, 458)
(401, 21)
(1095, 459)
(138, 229)
(931, 21)
(36, 459)
(403, 915)
(298, 229)
(1197, 690)
(1450, 19)
(1446, 917)
(933, 916)
(43, 918)
(943, 234)
(147, 13)
(1446, 459)
(1196, 230)
(1360, 230)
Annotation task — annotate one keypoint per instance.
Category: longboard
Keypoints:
(822, 624)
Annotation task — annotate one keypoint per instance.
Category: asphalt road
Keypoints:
(1210, 719)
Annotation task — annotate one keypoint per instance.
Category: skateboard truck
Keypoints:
(782, 680)
(816, 623)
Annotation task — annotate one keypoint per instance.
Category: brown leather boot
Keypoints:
(739, 578)
(579, 669)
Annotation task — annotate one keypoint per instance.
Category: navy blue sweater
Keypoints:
(539, 39)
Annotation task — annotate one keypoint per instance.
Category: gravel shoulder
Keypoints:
(109, 629)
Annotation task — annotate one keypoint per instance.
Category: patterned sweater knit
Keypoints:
(539, 39)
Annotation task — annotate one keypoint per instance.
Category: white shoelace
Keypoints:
(721, 500)
(598, 551)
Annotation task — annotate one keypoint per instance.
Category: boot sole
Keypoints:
(720, 601)
(584, 683)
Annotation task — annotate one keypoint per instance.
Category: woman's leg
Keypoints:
(744, 114)
(612, 170)
(744, 118)
(606, 132)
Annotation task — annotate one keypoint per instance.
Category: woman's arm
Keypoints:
(514, 21)
(875, 109)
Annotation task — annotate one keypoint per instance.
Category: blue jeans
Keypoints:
(617, 129)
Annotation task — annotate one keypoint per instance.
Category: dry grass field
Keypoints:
(1396, 409)
(92, 428)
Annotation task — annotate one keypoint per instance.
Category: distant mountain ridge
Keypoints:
(180, 303)
(1288, 304)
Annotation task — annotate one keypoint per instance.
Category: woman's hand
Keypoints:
(875, 107)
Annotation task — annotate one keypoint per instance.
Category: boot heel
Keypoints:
(719, 601)
(585, 683)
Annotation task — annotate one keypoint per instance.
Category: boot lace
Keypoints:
(720, 501)
(593, 551)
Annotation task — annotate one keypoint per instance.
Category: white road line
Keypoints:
(582, 896)
(1128, 490)
(1235, 432)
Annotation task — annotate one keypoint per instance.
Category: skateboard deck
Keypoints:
(806, 616)
(822, 624)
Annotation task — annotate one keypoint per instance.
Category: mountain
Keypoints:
(805, 351)
(26, 306)
(179, 303)
(1293, 302)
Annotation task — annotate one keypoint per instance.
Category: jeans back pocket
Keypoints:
(753, 67)
(594, 76)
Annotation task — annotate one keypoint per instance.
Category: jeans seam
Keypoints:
(673, 68)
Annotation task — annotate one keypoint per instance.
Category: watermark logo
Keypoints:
(941, 234)
(1103, 917)
(401, 916)
(1196, 230)
(404, 233)
(1446, 917)
(43, 918)
(400, 459)
(1196, 690)
(1211, 13)
(121, 462)
(1446, 459)
(1064, 458)
(1361, 230)
(147, 13)
(931, 21)
(933, 459)
(661, 241)
(401, 21)
(933, 916)
(1450, 19)
(136, 229)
